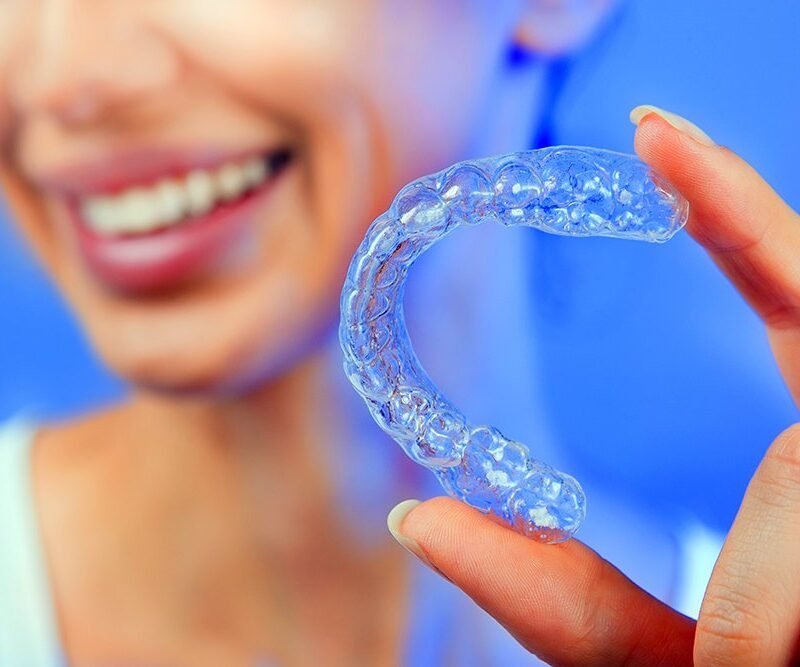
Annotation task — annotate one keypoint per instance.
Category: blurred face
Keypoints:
(195, 174)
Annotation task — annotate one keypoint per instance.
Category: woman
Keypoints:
(195, 176)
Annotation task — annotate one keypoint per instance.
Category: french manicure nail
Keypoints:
(678, 122)
(394, 522)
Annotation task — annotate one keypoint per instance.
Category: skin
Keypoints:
(570, 606)
(194, 565)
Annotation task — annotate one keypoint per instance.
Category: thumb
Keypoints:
(562, 602)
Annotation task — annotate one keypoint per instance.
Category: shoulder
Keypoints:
(64, 455)
(67, 462)
(60, 441)
(40, 465)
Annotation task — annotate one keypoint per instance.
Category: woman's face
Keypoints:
(195, 174)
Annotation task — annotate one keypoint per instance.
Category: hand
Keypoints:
(564, 602)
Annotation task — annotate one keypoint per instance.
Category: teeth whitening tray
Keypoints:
(560, 190)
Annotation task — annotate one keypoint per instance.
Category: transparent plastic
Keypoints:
(561, 190)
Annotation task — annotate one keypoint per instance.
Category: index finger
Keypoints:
(752, 234)
(749, 231)
(562, 602)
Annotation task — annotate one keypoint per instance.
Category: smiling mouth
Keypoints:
(176, 200)
(151, 220)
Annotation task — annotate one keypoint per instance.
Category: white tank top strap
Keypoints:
(28, 629)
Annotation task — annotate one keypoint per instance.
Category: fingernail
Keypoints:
(678, 122)
(394, 521)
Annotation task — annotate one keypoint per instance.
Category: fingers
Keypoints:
(751, 612)
(746, 227)
(562, 602)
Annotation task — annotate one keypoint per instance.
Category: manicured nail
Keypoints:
(678, 122)
(395, 523)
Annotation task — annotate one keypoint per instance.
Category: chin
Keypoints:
(186, 373)
(215, 368)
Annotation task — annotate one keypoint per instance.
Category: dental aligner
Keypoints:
(560, 190)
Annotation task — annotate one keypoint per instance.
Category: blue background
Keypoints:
(658, 377)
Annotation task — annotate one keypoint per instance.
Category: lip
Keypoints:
(127, 168)
(166, 258)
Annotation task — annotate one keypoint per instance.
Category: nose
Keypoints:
(82, 59)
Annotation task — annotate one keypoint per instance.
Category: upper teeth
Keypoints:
(169, 201)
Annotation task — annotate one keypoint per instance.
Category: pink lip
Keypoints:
(132, 167)
(166, 258)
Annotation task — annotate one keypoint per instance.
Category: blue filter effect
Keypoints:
(560, 190)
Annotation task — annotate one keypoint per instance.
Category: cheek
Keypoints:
(28, 214)
(413, 78)
(5, 103)
(288, 56)
(5, 110)
(298, 62)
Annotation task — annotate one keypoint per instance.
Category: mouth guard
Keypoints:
(562, 190)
